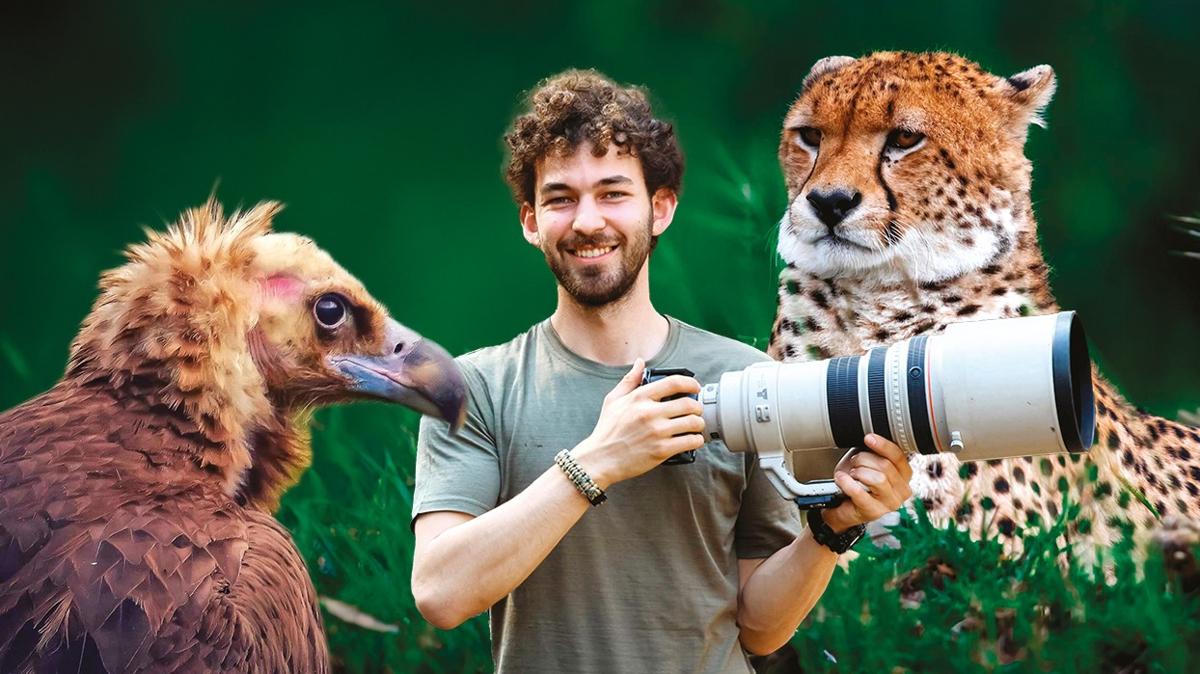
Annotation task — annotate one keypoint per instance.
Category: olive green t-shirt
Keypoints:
(647, 582)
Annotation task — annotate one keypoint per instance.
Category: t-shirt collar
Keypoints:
(560, 351)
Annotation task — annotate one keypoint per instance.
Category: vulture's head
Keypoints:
(239, 332)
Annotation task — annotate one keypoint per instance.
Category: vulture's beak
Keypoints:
(414, 372)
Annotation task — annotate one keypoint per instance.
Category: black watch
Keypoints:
(826, 536)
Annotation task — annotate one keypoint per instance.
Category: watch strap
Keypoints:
(825, 535)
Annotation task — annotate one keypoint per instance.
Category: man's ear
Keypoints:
(662, 209)
(529, 226)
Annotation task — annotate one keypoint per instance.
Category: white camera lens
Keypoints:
(981, 389)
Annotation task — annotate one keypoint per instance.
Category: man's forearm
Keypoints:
(783, 589)
(781, 592)
(469, 567)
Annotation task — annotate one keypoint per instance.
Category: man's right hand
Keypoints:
(637, 430)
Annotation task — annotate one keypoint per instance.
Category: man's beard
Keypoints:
(594, 286)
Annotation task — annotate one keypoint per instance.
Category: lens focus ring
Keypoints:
(841, 388)
(877, 392)
(918, 408)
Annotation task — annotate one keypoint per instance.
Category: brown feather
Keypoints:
(125, 543)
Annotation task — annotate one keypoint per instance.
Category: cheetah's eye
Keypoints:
(903, 139)
(808, 135)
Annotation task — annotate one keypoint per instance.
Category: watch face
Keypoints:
(858, 532)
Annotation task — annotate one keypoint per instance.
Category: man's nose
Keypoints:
(588, 219)
(832, 206)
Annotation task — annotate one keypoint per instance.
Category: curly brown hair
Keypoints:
(582, 105)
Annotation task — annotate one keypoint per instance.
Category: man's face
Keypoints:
(593, 220)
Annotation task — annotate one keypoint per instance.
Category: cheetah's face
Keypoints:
(906, 164)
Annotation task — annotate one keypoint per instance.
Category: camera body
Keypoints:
(654, 374)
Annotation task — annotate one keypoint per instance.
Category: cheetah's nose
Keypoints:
(831, 207)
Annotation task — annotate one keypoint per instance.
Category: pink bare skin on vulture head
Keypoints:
(136, 494)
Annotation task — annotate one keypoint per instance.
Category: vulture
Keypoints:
(136, 495)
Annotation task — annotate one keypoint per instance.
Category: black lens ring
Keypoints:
(877, 392)
(1074, 399)
(918, 410)
(841, 393)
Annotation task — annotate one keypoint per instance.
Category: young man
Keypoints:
(684, 568)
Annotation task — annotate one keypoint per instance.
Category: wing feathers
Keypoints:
(116, 557)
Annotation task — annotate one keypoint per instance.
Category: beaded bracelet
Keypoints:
(582, 481)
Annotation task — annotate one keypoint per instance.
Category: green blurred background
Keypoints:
(379, 125)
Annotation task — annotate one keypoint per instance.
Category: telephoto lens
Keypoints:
(654, 374)
(983, 390)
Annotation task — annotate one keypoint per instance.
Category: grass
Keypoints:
(1190, 227)
(945, 603)
(350, 518)
(939, 603)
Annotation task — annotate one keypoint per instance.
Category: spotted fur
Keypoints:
(944, 231)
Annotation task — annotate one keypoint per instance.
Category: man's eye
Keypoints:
(613, 195)
(554, 201)
(903, 139)
(808, 135)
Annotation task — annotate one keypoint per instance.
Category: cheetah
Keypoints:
(909, 209)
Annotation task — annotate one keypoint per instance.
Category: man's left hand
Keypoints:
(875, 483)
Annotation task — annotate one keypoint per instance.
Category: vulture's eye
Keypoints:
(903, 139)
(330, 311)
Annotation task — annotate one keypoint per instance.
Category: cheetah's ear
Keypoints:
(1031, 92)
(825, 65)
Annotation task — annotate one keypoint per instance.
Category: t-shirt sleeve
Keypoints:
(766, 521)
(461, 471)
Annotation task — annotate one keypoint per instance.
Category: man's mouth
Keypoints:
(592, 252)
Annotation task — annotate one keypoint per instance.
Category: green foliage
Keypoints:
(350, 518)
(1190, 227)
(945, 603)
(379, 125)
(940, 603)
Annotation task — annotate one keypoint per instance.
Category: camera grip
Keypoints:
(652, 374)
